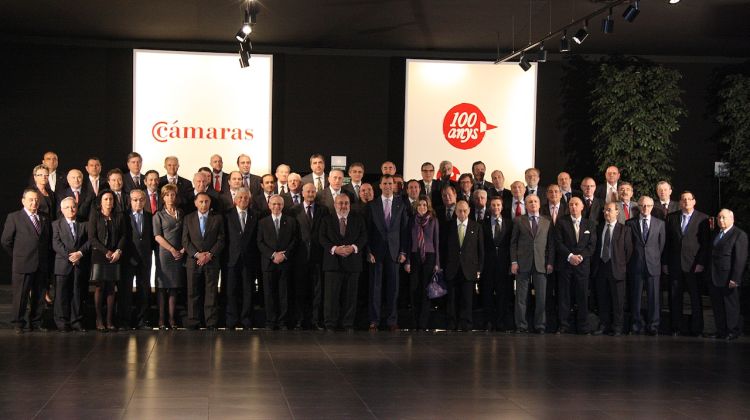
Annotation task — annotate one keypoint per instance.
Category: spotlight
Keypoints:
(582, 34)
(245, 52)
(564, 44)
(524, 63)
(608, 24)
(245, 29)
(631, 12)
(674, 1)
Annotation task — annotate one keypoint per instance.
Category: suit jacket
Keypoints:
(729, 257)
(392, 238)
(469, 256)
(565, 240)
(224, 181)
(260, 204)
(497, 249)
(325, 198)
(633, 208)
(473, 214)
(435, 188)
(484, 185)
(64, 244)
(122, 203)
(97, 229)
(684, 251)
(159, 202)
(212, 242)
(662, 212)
(562, 211)
(595, 211)
(140, 245)
(29, 250)
(241, 245)
(217, 205)
(646, 255)
(308, 249)
(529, 251)
(86, 201)
(184, 187)
(573, 193)
(309, 179)
(330, 236)
(601, 191)
(128, 184)
(269, 242)
(88, 187)
(621, 249)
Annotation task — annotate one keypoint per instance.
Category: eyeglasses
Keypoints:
(428, 170)
(47, 175)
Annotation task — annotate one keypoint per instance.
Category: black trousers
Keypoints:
(496, 288)
(202, 285)
(69, 292)
(726, 305)
(337, 282)
(275, 296)
(461, 294)
(611, 299)
(681, 281)
(578, 278)
(419, 278)
(28, 287)
(125, 305)
(651, 283)
(308, 294)
(239, 294)
(384, 280)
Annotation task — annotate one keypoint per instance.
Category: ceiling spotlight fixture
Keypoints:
(674, 1)
(631, 12)
(582, 34)
(564, 44)
(524, 63)
(245, 52)
(608, 24)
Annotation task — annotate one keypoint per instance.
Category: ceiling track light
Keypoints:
(243, 35)
(245, 52)
(674, 1)
(564, 43)
(524, 63)
(608, 24)
(631, 12)
(582, 34)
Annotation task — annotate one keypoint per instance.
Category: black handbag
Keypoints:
(105, 272)
(437, 287)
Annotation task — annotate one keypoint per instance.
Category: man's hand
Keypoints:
(370, 258)
(732, 284)
(401, 258)
(407, 268)
(549, 268)
(279, 257)
(74, 257)
(699, 268)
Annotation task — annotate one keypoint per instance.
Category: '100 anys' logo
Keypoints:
(464, 126)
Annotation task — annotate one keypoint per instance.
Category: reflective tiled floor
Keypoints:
(300, 375)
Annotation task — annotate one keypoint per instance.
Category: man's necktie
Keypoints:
(136, 181)
(296, 199)
(37, 225)
(138, 224)
(243, 220)
(480, 215)
(612, 195)
(518, 208)
(173, 180)
(356, 190)
(606, 253)
(387, 211)
(318, 184)
(310, 212)
(645, 230)
(554, 214)
(282, 190)
(217, 182)
(95, 186)
(427, 188)
(534, 225)
(461, 234)
(567, 197)
(154, 206)
(276, 225)
(342, 226)
(246, 181)
(77, 194)
(684, 223)
(588, 203)
(718, 237)
(73, 229)
(626, 210)
(496, 230)
(577, 228)
(202, 223)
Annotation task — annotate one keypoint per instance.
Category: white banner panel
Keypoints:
(193, 105)
(469, 111)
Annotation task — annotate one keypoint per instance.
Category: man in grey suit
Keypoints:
(318, 175)
(26, 238)
(728, 261)
(71, 245)
(387, 235)
(532, 253)
(627, 209)
(644, 268)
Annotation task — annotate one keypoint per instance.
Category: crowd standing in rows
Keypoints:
(301, 244)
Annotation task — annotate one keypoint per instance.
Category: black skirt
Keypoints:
(105, 273)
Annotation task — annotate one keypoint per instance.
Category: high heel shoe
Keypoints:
(101, 328)
(172, 325)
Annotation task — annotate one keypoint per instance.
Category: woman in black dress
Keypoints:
(107, 238)
(168, 233)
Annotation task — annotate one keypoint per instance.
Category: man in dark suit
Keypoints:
(282, 179)
(26, 238)
(479, 206)
(262, 200)
(464, 257)
(294, 194)
(663, 203)
(71, 246)
(56, 180)
(133, 179)
(240, 232)
(644, 267)
(446, 211)
(84, 199)
(430, 186)
(153, 197)
(219, 179)
(613, 250)
(498, 189)
(575, 238)
(343, 236)
(318, 176)
(200, 185)
(228, 194)
(203, 240)
(556, 210)
(496, 286)
(94, 181)
(609, 190)
(478, 169)
(307, 259)
(334, 188)
(137, 264)
(387, 237)
(532, 254)
(728, 263)
(114, 181)
(532, 176)
(555, 207)
(172, 165)
(465, 187)
(566, 188)
(249, 180)
(686, 256)
(277, 240)
(356, 173)
(592, 205)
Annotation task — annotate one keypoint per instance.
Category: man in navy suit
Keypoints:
(26, 238)
(644, 269)
(136, 263)
(496, 286)
(133, 179)
(241, 226)
(387, 235)
(728, 262)
(84, 198)
(184, 187)
(71, 245)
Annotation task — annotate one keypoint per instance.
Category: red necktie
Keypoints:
(153, 203)
(76, 194)
(217, 183)
(626, 209)
(518, 208)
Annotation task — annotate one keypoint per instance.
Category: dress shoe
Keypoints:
(373, 327)
(18, 330)
(563, 330)
(78, 328)
(39, 329)
(732, 336)
(145, 327)
(676, 334)
(653, 332)
(598, 332)
(540, 331)
(318, 327)
(64, 329)
(522, 331)
(393, 328)
(617, 334)
(102, 329)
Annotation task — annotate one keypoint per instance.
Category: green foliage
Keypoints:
(733, 116)
(635, 109)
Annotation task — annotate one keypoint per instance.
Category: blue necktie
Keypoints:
(684, 223)
(202, 220)
(718, 237)
(645, 230)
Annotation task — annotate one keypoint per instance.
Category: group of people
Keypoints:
(535, 259)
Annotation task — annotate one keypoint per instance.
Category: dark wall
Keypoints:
(78, 102)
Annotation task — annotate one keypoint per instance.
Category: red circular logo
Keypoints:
(464, 126)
